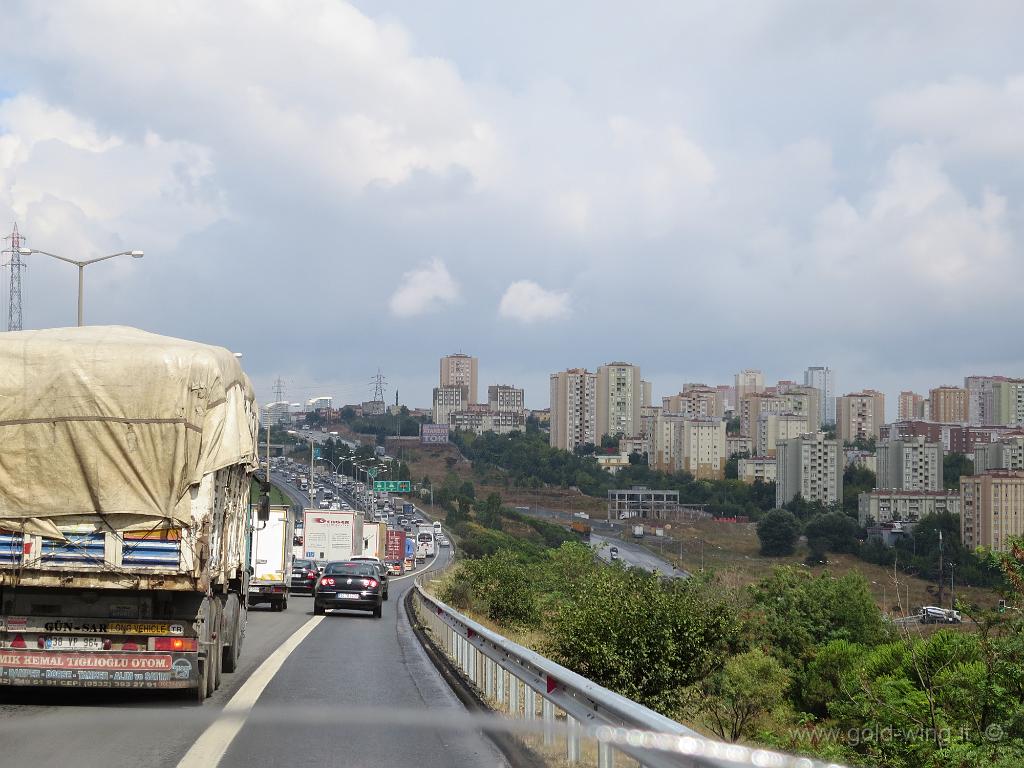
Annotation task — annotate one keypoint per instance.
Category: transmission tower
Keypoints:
(16, 265)
(278, 390)
(379, 385)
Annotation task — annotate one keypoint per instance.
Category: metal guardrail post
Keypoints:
(605, 756)
(572, 739)
(513, 696)
(548, 713)
(529, 702)
(500, 685)
(489, 678)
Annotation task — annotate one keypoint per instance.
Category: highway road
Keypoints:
(633, 555)
(343, 663)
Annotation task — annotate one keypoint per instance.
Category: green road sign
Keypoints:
(372, 471)
(393, 486)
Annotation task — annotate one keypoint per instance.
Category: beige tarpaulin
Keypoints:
(114, 425)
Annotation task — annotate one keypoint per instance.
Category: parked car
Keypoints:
(304, 575)
(349, 585)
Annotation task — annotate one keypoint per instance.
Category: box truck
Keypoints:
(331, 535)
(124, 509)
(394, 552)
(271, 559)
(374, 539)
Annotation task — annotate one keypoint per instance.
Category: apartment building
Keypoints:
(773, 427)
(619, 399)
(992, 509)
(447, 400)
(275, 414)
(460, 370)
(823, 379)
(573, 408)
(1005, 453)
(749, 382)
(911, 464)
(757, 468)
(752, 406)
(1008, 402)
(503, 398)
(700, 448)
(738, 444)
(859, 415)
(810, 465)
(980, 405)
(803, 400)
(888, 505)
(911, 406)
(647, 393)
(695, 400)
(948, 405)
(479, 418)
(955, 438)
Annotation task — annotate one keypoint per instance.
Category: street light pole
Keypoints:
(81, 269)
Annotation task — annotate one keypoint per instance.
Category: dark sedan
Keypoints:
(349, 584)
(304, 575)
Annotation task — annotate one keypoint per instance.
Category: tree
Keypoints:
(735, 700)
(778, 532)
(732, 465)
(488, 512)
(856, 480)
(953, 466)
(732, 426)
(647, 640)
(837, 532)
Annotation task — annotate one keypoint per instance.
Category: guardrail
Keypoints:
(526, 686)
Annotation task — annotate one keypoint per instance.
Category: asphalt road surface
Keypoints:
(633, 555)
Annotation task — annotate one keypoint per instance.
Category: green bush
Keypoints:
(778, 532)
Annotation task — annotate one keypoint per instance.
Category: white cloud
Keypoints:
(527, 302)
(969, 115)
(424, 290)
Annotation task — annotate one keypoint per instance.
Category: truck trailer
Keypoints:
(331, 535)
(271, 559)
(124, 509)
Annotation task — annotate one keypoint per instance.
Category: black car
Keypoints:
(304, 575)
(349, 584)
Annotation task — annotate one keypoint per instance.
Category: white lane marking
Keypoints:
(210, 747)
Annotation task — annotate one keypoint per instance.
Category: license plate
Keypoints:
(254, 589)
(347, 596)
(73, 643)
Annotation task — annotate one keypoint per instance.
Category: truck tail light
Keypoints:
(175, 644)
(41, 641)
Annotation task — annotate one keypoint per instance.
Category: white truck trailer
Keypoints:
(332, 534)
(375, 540)
(272, 558)
(124, 509)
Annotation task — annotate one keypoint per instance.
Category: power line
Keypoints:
(16, 265)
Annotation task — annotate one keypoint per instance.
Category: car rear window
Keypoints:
(303, 564)
(350, 569)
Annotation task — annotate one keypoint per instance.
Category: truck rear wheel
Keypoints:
(232, 626)
(198, 694)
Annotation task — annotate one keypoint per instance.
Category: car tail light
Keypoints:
(310, 574)
(175, 644)
(326, 581)
(371, 583)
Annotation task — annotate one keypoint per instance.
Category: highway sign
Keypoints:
(393, 486)
(372, 471)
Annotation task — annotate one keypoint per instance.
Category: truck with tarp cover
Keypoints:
(124, 509)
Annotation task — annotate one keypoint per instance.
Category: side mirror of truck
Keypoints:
(263, 509)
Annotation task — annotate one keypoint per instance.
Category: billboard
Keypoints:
(433, 434)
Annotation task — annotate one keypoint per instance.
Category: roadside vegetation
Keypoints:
(798, 661)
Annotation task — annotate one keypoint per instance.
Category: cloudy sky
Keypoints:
(333, 187)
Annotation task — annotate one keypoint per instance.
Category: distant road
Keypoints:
(633, 555)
